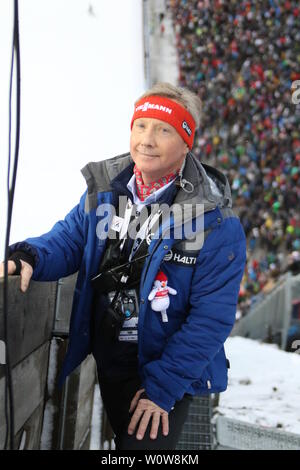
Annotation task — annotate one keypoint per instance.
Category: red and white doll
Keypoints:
(159, 295)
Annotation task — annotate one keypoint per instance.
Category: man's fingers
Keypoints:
(155, 425)
(135, 400)
(143, 424)
(26, 273)
(134, 420)
(11, 267)
(165, 424)
(145, 410)
(133, 403)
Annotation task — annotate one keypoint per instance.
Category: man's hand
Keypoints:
(25, 273)
(146, 409)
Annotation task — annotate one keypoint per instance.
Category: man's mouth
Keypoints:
(148, 154)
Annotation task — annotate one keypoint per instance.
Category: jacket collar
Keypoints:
(203, 184)
(199, 183)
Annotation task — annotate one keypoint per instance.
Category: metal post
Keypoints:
(63, 413)
(287, 310)
(146, 35)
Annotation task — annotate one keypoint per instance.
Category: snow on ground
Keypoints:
(263, 385)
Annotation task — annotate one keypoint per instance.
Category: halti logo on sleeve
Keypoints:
(180, 258)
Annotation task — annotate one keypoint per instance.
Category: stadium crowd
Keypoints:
(242, 57)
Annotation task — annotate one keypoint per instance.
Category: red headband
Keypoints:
(159, 107)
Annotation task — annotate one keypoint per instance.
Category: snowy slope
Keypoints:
(264, 385)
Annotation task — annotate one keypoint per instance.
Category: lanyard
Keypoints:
(142, 233)
(127, 217)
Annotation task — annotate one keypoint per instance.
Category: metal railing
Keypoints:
(269, 320)
(239, 435)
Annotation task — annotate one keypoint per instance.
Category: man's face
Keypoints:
(156, 148)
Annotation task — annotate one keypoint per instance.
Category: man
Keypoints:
(154, 307)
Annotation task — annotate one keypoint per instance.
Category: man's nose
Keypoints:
(148, 137)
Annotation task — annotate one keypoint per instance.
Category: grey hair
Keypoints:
(183, 96)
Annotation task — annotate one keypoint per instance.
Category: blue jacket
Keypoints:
(185, 354)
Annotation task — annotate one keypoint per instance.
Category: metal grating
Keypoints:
(197, 431)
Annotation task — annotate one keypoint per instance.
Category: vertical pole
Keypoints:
(287, 310)
(146, 36)
(63, 414)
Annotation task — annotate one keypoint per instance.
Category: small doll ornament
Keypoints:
(159, 296)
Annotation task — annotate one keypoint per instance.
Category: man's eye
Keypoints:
(140, 124)
(166, 130)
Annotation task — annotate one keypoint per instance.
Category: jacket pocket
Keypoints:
(215, 376)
